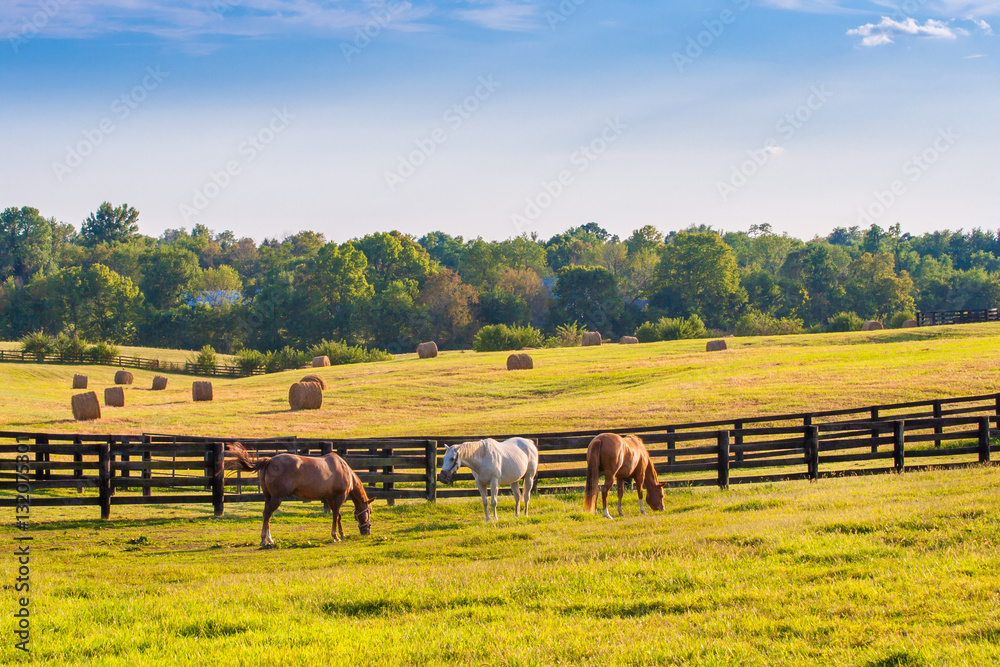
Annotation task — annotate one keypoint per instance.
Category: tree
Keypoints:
(110, 224)
(168, 272)
(697, 274)
(95, 303)
(391, 257)
(873, 289)
(818, 266)
(333, 288)
(26, 240)
(448, 304)
(644, 239)
(588, 295)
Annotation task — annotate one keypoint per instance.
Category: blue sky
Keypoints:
(497, 117)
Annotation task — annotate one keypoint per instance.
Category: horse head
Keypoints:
(363, 513)
(450, 465)
(654, 496)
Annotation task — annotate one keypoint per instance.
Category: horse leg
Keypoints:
(609, 480)
(494, 492)
(270, 505)
(515, 489)
(639, 481)
(336, 502)
(621, 492)
(482, 492)
(528, 483)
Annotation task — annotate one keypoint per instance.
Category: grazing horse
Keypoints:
(621, 459)
(494, 463)
(327, 478)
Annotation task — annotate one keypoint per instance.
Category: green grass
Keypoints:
(614, 386)
(897, 570)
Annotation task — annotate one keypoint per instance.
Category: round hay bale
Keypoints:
(427, 350)
(628, 340)
(305, 396)
(315, 379)
(909, 324)
(520, 362)
(123, 377)
(79, 381)
(201, 390)
(591, 338)
(114, 397)
(159, 383)
(872, 325)
(716, 346)
(320, 362)
(86, 406)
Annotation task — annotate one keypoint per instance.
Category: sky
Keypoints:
(495, 118)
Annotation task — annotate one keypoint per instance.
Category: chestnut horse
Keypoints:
(327, 478)
(621, 459)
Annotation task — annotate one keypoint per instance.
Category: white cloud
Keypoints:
(501, 15)
(983, 25)
(876, 34)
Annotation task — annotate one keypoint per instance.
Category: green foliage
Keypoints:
(110, 224)
(70, 347)
(671, 328)
(287, 358)
(38, 343)
(26, 243)
(249, 361)
(897, 319)
(500, 337)
(756, 323)
(102, 353)
(846, 321)
(340, 353)
(567, 335)
(589, 295)
(206, 360)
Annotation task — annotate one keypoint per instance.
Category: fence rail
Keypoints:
(186, 367)
(958, 317)
(59, 470)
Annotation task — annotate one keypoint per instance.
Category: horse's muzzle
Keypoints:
(445, 477)
(366, 529)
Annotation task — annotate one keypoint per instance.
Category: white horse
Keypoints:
(494, 463)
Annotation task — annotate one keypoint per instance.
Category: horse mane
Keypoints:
(356, 483)
(651, 477)
(470, 450)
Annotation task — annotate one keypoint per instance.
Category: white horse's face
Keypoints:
(450, 465)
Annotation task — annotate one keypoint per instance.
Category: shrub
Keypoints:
(249, 361)
(340, 352)
(671, 328)
(70, 348)
(756, 323)
(846, 321)
(567, 335)
(205, 360)
(500, 337)
(39, 344)
(897, 319)
(102, 353)
(284, 359)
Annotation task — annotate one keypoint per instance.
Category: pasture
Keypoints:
(897, 570)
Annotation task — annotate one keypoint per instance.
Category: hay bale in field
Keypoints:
(520, 362)
(201, 391)
(872, 325)
(716, 346)
(909, 324)
(315, 379)
(86, 406)
(321, 362)
(305, 396)
(123, 377)
(628, 340)
(79, 381)
(159, 383)
(427, 350)
(114, 397)
(591, 338)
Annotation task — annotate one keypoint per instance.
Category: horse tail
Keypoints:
(242, 461)
(593, 474)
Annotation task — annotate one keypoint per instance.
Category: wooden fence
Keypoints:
(958, 317)
(186, 367)
(60, 470)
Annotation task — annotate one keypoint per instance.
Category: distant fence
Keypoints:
(958, 317)
(60, 470)
(214, 370)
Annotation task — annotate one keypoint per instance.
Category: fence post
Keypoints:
(938, 429)
(739, 439)
(125, 458)
(430, 466)
(812, 451)
(388, 487)
(104, 479)
(874, 432)
(147, 469)
(671, 445)
(984, 439)
(898, 427)
(723, 459)
(218, 477)
(78, 458)
(324, 449)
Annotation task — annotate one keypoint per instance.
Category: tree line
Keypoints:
(187, 289)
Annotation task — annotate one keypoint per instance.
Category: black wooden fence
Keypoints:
(958, 317)
(60, 470)
(186, 367)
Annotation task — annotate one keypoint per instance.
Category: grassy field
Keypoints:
(901, 570)
(889, 571)
(612, 386)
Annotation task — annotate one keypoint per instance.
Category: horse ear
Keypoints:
(662, 484)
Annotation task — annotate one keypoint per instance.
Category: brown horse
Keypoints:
(621, 459)
(327, 478)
